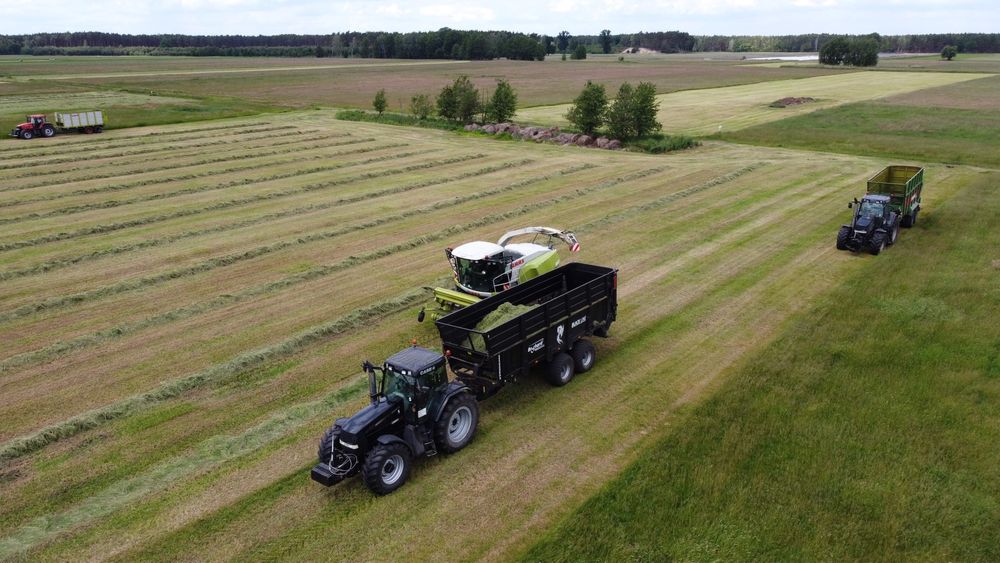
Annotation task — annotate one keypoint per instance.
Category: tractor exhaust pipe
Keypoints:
(372, 386)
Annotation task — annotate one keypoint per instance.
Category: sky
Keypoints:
(584, 17)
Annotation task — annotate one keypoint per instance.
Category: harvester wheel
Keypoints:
(877, 244)
(386, 468)
(842, 235)
(48, 131)
(26, 134)
(457, 425)
(584, 356)
(560, 370)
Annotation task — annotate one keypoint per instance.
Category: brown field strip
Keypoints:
(713, 254)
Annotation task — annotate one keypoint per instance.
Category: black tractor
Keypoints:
(875, 225)
(414, 411)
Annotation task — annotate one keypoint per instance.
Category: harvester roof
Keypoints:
(476, 250)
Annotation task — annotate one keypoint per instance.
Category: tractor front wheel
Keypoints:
(560, 370)
(26, 134)
(842, 235)
(386, 468)
(584, 356)
(457, 425)
(893, 235)
(877, 244)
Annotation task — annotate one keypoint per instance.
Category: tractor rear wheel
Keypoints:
(584, 356)
(26, 134)
(877, 244)
(48, 131)
(560, 370)
(842, 235)
(457, 425)
(386, 468)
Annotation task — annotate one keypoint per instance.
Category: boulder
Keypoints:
(490, 128)
(614, 145)
(602, 142)
(472, 127)
(583, 140)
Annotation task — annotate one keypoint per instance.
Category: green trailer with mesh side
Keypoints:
(903, 185)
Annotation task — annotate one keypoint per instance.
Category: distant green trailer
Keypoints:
(903, 185)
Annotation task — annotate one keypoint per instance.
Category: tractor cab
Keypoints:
(411, 376)
(872, 211)
(35, 121)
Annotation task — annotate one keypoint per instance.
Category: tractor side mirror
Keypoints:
(421, 315)
(850, 205)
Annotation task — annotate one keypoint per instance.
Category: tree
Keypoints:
(580, 52)
(834, 52)
(563, 40)
(446, 103)
(862, 52)
(503, 103)
(606, 41)
(949, 52)
(619, 117)
(420, 106)
(587, 111)
(459, 101)
(645, 109)
(379, 103)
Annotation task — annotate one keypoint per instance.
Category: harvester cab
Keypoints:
(875, 225)
(481, 269)
(414, 411)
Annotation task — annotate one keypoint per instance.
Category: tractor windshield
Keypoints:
(480, 275)
(871, 209)
(399, 385)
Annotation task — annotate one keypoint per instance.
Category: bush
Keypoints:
(949, 52)
(379, 103)
(659, 143)
(646, 109)
(855, 52)
(580, 52)
(420, 106)
(398, 119)
(588, 109)
(834, 52)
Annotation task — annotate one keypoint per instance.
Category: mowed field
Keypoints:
(184, 310)
(704, 112)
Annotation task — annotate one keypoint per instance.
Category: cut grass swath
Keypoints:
(163, 240)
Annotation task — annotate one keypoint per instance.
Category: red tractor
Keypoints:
(36, 125)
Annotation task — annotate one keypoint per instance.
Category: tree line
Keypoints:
(447, 43)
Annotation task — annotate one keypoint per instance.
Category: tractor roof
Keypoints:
(476, 250)
(878, 198)
(415, 359)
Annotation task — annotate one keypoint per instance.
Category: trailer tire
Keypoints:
(584, 356)
(386, 468)
(601, 331)
(913, 220)
(842, 235)
(48, 131)
(877, 244)
(98, 129)
(25, 134)
(458, 422)
(559, 372)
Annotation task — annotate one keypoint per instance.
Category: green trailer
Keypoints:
(903, 185)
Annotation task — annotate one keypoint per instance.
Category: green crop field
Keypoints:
(184, 307)
(703, 112)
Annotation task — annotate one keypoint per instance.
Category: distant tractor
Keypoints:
(892, 201)
(38, 126)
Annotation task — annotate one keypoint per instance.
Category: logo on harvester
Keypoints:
(536, 346)
(559, 334)
(579, 322)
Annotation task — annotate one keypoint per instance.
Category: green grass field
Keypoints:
(184, 306)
